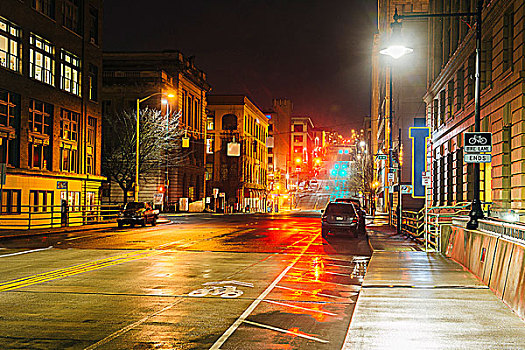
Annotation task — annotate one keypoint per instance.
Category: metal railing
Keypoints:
(51, 216)
(413, 222)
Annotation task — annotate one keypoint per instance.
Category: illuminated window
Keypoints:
(9, 45)
(41, 61)
(41, 201)
(70, 72)
(47, 7)
(11, 203)
(298, 138)
(40, 121)
(10, 126)
(91, 142)
(69, 133)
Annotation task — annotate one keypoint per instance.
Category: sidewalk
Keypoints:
(416, 300)
(13, 233)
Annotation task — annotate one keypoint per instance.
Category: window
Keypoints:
(450, 98)
(41, 60)
(69, 132)
(11, 203)
(209, 171)
(298, 138)
(93, 82)
(9, 45)
(508, 39)
(91, 142)
(41, 201)
(70, 72)
(47, 7)
(298, 149)
(486, 63)
(40, 121)
(442, 107)
(93, 25)
(209, 145)
(298, 127)
(69, 125)
(71, 15)
(73, 199)
(460, 77)
(10, 128)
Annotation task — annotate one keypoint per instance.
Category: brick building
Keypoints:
(132, 75)
(244, 178)
(450, 103)
(50, 125)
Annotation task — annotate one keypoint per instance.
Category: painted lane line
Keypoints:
(286, 331)
(299, 307)
(75, 270)
(310, 292)
(26, 252)
(217, 345)
(350, 267)
(129, 327)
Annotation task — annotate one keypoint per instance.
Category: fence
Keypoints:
(50, 216)
(413, 222)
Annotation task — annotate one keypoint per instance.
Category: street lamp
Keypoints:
(476, 211)
(139, 100)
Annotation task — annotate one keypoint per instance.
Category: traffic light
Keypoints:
(161, 189)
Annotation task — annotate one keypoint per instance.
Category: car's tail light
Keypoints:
(354, 220)
(324, 219)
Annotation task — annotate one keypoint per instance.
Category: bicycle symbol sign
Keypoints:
(478, 142)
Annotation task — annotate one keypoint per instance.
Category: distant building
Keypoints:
(50, 120)
(242, 178)
(279, 146)
(132, 75)
(301, 146)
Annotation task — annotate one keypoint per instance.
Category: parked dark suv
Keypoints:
(339, 216)
(137, 213)
(360, 211)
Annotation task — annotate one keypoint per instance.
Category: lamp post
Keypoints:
(137, 144)
(399, 50)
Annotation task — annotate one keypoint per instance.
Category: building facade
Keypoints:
(132, 75)
(450, 104)
(301, 147)
(398, 88)
(237, 157)
(50, 114)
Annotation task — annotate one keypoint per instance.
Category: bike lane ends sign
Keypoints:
(477, 142)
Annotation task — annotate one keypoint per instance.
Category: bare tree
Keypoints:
(362, 174)
(159, 145)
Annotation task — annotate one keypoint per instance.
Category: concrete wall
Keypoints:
(497, 260)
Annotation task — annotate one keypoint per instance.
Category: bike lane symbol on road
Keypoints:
(224, 289)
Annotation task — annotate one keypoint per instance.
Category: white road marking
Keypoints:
(131, 326)
(26, 252)
(328, 272)
(79, 237)
(286, 331)
(217, 345)
(299, 307)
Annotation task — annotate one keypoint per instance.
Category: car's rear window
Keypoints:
(134, 205)
(340, 208)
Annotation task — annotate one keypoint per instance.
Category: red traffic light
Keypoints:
(161, 189)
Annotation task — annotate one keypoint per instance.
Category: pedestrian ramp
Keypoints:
(419, 300)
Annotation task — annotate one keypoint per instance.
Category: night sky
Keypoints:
(316, 53)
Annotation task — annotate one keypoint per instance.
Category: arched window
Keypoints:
(229, 122)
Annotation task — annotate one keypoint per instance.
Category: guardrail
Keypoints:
(413, 222)
(50, 216)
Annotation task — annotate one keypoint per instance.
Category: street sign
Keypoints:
(185, 142)
(157, 198)
(381, 157)
(390, 177)
(234, 149)
(477, 158)
(425, 180)
(61, 185)
(477, 142)
(215, 192)
(406, 189)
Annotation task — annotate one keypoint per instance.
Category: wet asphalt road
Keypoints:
(202, 282)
